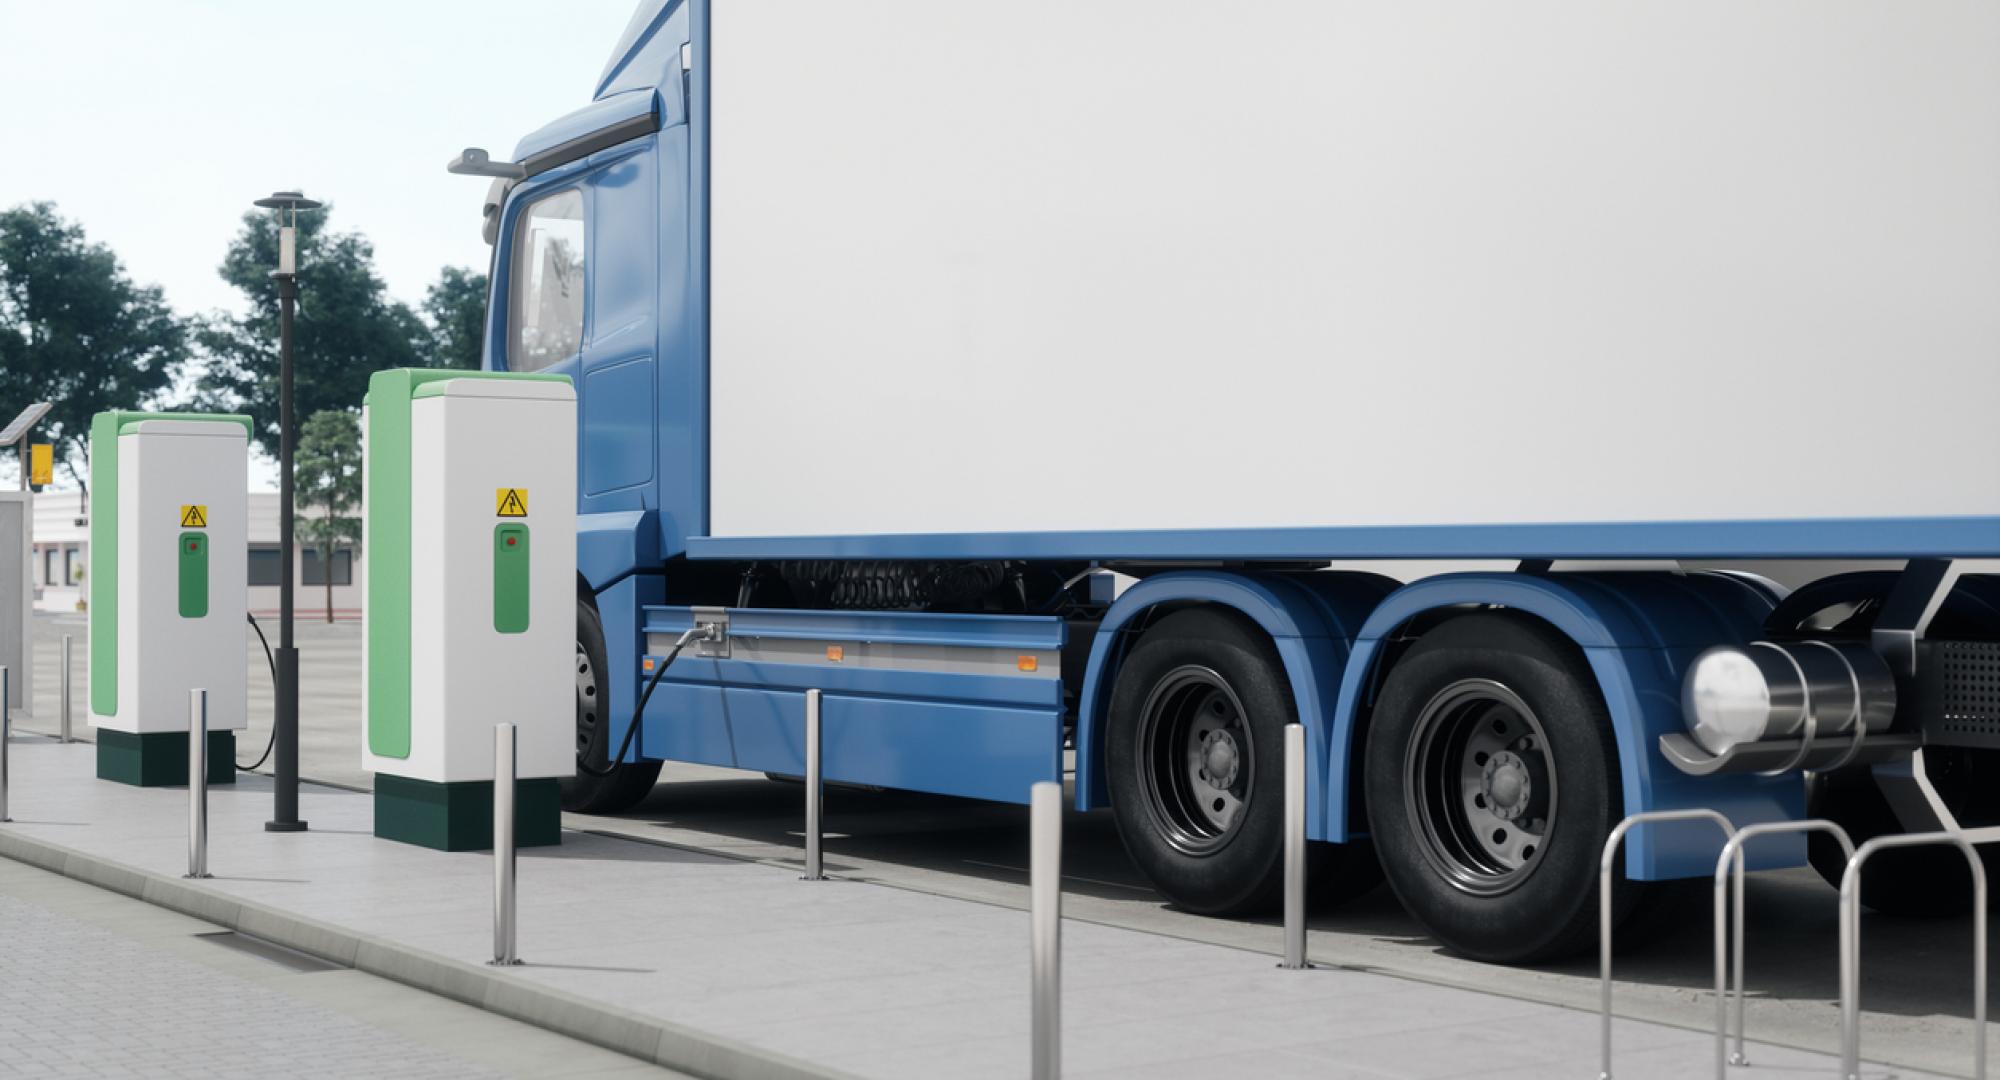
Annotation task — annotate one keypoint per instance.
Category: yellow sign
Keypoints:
(194, 517)
(510, 502)
(41, 464)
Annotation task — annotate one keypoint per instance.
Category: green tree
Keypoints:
(75, 331)
(328, 481)
(347, 326)
(455, 308)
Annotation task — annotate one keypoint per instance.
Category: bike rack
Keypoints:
(1730, 874)
(1604, 864)
(1729, 870)
(1850, 941)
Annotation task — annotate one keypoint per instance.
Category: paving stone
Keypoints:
(81, 1001)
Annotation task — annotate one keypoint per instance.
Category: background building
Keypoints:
(62, 560)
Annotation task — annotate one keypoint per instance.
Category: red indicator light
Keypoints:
(193, 546)
(510, 541)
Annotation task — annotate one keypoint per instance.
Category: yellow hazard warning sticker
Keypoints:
(194, 517)
(510, 502)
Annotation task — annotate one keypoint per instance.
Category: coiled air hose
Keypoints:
(699, 633)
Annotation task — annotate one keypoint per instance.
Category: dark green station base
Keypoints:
(160, 758)
(459, 817)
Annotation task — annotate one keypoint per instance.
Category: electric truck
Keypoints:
(1095, 389)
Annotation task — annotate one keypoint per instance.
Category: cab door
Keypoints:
(582, 294)
(617, 383)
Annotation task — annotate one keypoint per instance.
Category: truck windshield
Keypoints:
(546, 316)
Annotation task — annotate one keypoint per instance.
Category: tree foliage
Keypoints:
(76, 331)
(455, 307)
(327, 479)
(347, 326)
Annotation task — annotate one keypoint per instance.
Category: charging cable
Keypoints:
(709, 632)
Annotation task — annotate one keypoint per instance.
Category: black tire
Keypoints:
(1188, 664)
(627, 784)
(1507, 873)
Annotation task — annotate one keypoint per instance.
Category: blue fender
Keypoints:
(1311, 618)
(1638, 631)
(612, 545)
(609, 548)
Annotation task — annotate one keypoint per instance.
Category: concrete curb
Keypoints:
(635, 1035)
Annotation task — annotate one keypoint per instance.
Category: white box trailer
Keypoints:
(898, 326)
(1124, 266)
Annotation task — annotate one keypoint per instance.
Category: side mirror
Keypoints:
(472, 161)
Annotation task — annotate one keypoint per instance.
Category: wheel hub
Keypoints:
(1219, 758)
(1481, 786)
(1196, 759)
(1507, 785)
(586, 700)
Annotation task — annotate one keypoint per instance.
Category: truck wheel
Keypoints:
(628, 783)
(1195, 759)
(1491, 784)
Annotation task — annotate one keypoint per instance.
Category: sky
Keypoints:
(156, 124)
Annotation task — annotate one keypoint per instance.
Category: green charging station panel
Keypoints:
(194, 575)
(510, 578)
(441, 672)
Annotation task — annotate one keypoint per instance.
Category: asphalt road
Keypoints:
(1917, 973)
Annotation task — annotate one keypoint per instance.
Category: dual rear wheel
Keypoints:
(1488, 776)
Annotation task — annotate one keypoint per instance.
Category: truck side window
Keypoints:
(546, 316)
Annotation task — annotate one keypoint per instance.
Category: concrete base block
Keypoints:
(160, 758)
(459, 816)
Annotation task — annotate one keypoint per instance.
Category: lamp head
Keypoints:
(288, 200)
(292, 201)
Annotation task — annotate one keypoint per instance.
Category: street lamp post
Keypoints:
(285, 754)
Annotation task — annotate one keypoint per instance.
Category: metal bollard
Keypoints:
(1850, 941)
(63, 721)
(6, 735)
(503, 846)
(198, 784)
(815, 797)
(1295, 848)
(1045, 926)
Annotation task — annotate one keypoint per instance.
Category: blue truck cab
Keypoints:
(1474, 736)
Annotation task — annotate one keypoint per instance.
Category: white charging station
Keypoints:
(168, 586)
(469, 521)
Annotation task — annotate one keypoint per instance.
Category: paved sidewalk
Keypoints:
(99, 985)
(849, 977)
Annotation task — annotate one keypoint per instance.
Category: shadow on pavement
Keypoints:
(1911, 967)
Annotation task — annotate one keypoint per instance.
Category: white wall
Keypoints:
(56, 515)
